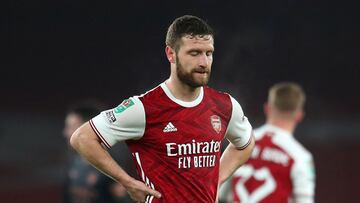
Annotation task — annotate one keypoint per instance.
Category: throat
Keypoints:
(182, 91)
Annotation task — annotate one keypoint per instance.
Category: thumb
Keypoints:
(154, 193)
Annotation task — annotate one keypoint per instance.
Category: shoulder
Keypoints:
(294, 148)
(154, 92)
(127, 107)
(216, 93)
(153, 99)
(259, 132)
(220, 98)
(284, 140)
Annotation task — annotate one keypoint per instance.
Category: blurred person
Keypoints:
(280, 169)
(84, 183)
(175, 130)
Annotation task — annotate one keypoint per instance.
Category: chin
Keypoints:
(200, 83)
(203, 82)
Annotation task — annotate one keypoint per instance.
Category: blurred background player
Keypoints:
(280, 168)
(85, 184)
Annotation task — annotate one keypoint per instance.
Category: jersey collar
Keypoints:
(180, 102)
(278, 129)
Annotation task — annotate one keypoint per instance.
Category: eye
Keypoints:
(194, 53)
(209, 53)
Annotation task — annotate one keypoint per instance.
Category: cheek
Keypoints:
(210, 60)
(186, 64)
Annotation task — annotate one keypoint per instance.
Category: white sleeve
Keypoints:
(239, 130)
(225, 192)
(303, 178)
(124, 122)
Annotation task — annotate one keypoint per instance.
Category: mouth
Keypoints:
(201, 71)
(201, 74)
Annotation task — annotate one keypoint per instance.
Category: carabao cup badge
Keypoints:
(216, 123)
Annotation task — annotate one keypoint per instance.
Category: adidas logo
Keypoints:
(169, 128)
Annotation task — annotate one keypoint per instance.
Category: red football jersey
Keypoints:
(177, 145)
(279, 170)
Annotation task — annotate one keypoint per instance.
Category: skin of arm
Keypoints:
(232, 159)
(88, 145)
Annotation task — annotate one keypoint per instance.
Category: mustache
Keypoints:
(200, 70)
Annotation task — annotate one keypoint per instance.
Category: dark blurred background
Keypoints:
(55, 53)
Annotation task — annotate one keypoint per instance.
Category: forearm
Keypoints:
(87, 144)
(232, 159)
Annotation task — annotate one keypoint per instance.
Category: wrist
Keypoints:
(127, 181)
(221, 180)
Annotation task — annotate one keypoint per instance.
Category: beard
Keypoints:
(188, 78)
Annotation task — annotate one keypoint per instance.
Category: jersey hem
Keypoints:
(99, 134)
(248, 142)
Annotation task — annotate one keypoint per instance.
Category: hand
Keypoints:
(138, 191)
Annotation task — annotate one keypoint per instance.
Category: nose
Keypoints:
(204, 60)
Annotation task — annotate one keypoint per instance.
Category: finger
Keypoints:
(154, 193)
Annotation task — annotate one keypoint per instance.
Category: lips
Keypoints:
(201, 71)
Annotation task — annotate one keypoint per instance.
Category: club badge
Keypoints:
(216, 123)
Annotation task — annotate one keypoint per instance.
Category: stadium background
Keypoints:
(56, 53)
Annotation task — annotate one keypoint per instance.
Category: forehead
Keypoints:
(73, 118)
(197, 41)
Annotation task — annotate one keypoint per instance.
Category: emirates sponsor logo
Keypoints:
(194, 154)
(216, 123)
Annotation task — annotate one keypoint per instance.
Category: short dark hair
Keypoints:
(86, 110)
(186, 25)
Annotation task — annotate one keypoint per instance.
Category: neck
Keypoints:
(182, 91)
(283, 123)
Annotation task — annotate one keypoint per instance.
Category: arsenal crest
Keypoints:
(216, 123)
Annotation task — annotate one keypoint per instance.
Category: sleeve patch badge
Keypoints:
(124, 105)
(110, 116)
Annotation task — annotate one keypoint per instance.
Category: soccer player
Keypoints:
(280, 168)
(174, 130)
(85, 184)
(77, 188)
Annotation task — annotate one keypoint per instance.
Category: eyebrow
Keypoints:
(200, 50)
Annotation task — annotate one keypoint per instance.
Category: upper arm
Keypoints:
(124, 122)
(303, 178)
(225, 191)
(239, 130)
(83, 132)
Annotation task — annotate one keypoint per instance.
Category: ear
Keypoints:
(170, 54)
(266, 108)
(299, 116)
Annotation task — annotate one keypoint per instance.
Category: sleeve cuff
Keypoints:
(248, 142)
(99, 134)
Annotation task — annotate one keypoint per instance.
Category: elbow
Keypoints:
(252, 144)
(250, 148)
(76, 139)
(83, 138)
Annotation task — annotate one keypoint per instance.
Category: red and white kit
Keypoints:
(176, 145)
(280, 170)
